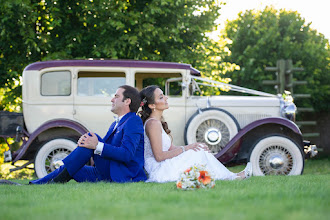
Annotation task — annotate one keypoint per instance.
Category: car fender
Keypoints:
(234, 145)
(59, 123)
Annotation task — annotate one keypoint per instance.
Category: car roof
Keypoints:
(113, 63)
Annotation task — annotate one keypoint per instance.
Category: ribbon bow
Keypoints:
(116, 119)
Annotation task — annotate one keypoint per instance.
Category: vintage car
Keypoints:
(63, 99)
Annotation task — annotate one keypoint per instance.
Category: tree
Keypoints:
(259, 38)
(163, 30)
(16, 45)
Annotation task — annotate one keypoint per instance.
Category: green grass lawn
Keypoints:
(272, 197)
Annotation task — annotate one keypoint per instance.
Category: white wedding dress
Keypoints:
(169, 170)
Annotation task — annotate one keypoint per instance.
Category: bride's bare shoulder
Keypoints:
(152, 124)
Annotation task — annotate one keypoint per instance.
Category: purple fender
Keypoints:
(48, 125)
(234, 145)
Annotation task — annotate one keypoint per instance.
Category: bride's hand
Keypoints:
(198, 147)
(204, 147)
(194, 146)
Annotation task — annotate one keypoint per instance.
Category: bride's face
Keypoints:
(160, 100)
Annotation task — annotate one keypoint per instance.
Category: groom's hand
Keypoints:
(88, 140)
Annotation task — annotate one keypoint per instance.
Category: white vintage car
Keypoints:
(65, 98)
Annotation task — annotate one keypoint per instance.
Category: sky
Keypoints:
(315, 11)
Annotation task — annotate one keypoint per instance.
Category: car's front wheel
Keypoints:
(276, 155)
(51, 154)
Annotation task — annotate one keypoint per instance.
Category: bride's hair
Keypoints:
(148, 97)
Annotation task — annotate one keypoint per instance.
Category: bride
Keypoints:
(164, 162)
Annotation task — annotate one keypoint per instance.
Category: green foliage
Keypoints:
(214, 67)
(259, 38)
(9, 101)
(163, 30)
(17, 47)
(25, 173)
(3, 147)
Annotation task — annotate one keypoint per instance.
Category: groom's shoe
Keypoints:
(62, 177)
(248, 170)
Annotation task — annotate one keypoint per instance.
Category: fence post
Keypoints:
(285, 81)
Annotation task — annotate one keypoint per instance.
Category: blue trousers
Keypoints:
(75, 165)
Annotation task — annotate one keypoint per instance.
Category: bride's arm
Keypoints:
(194, 146)
(154, 133)
(174, 147)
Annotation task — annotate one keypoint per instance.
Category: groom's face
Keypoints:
(118, 104)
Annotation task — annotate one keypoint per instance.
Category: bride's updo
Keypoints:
(148, 97)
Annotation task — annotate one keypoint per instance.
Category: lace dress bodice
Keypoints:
(149, 157)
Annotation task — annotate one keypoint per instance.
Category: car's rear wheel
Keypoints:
(276, 155)
(51, 154)
(215, 127)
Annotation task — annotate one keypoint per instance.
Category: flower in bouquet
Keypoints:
(195, 177)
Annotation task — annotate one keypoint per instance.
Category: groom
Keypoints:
(118, 157)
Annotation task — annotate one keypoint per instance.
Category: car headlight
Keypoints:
(289, 111)
(288, 108)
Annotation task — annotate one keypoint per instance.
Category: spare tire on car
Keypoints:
(213, 126)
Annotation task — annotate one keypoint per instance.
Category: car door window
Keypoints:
(56, 83)
(99, 84)
(170, 83)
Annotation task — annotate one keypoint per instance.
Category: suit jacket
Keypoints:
(124, 148)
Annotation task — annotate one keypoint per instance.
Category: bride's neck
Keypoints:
(156, 115)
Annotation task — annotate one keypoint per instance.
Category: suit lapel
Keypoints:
(110, 131)
(124, 119)
(119, 124)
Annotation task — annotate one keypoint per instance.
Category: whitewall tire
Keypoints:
(276, 155)
(215, 127)
(51, 154)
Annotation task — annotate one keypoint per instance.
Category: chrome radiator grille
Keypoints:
(245, 119)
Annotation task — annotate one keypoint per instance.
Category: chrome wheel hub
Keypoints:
(214, 133)
(276, 160)
(212, 136)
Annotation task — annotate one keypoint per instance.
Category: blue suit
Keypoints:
(122, 158)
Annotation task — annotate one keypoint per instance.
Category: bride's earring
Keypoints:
(154, 109)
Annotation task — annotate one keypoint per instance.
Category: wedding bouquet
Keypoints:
(195, 177)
